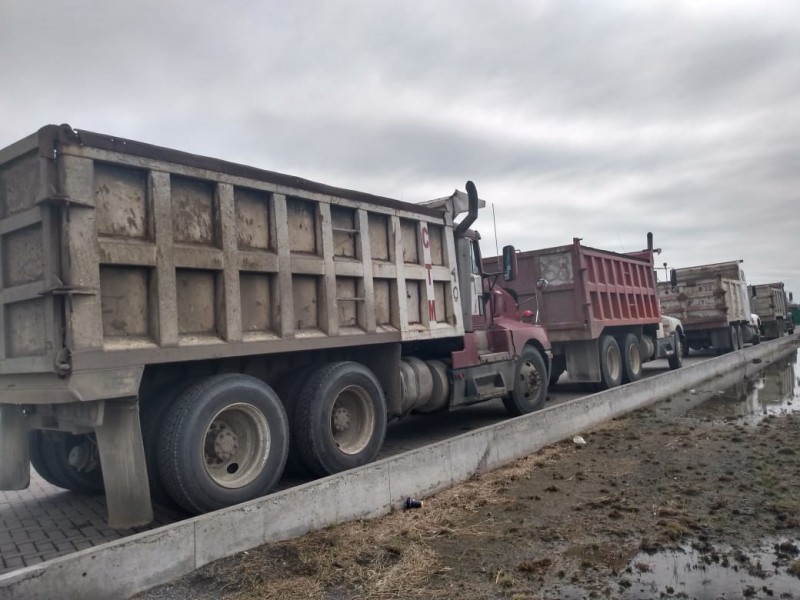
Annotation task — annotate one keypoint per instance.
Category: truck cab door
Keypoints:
(476, 287)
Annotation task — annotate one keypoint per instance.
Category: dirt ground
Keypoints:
(662, 503)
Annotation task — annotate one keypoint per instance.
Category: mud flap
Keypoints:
(15, 464)
(119, 440)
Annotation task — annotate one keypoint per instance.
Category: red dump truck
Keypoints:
(600, 310)
(179, 325)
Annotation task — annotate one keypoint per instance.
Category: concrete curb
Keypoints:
(122, 568)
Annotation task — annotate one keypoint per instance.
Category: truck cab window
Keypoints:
(475, 258)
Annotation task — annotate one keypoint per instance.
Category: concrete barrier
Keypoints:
(122, 568)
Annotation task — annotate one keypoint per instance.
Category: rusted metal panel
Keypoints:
(578, 291)
(121, 253)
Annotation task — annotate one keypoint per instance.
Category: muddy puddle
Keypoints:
(702, 571)
(734, 398)
(708, 573)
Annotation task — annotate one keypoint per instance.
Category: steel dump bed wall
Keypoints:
(586, 290)
(707, 297)
(116, 254)
(768, 301)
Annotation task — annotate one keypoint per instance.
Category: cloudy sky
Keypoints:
(601, 120)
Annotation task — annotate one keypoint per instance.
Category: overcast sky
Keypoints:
(600, 120)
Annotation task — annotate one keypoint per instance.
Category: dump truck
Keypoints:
(769, 302)
(600, 310)
(712, 303)
(177, 327)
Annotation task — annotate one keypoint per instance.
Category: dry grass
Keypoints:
(379, 559)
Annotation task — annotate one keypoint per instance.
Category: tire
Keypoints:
(37, 458)
(223, 441)
(734, 338)
(288, 389)
(339, 418)
(557, 369)
(631, 359)
(152, 418)
(610, 363)
(530, 384)
(676, 360)
(50, 453)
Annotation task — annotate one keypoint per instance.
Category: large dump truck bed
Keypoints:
(707, 296)
(118, 254)
(768, 301)
(582, 290)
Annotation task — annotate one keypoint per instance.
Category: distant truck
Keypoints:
(770, 302)
(712, 303)
(600, 310)
(178, 324)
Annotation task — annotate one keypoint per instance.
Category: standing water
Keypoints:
(770, 568)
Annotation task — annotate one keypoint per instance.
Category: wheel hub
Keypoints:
(341, 419)
(529, 377)
(221, 443)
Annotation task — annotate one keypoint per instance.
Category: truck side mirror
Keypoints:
(509, 263)
(673, 278)
(791, 297)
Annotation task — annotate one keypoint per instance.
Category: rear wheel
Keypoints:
(152, 416)
(631, 358)
(557, 369)
(530, 384)
(68, 461)
(676, 360)
(223, 441)
(288, 390)
(610, 362)
(733, 334)
(339, 418)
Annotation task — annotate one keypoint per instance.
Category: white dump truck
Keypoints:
(712, 303)
(770, 302)
(178, 325)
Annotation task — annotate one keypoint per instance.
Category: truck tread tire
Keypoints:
(529, 392)
(152, 417)
(676, 360)
(50, 450)
(611, 367)
(557, 369)
(37, 458)
(631, 359)
(288, 389)
(340, 418)
(223, 441)
(734, 338)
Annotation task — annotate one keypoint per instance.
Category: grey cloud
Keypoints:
(576, 118)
